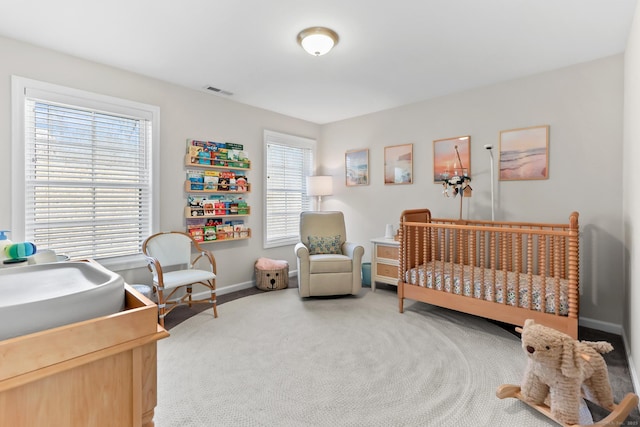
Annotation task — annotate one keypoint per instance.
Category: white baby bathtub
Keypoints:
(42, 296)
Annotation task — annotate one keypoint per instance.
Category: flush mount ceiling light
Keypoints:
(317, 40)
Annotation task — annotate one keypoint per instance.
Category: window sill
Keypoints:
(122, 263)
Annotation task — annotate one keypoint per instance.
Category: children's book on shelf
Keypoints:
(196, 179)
(234, 146)
(216, 229)
(243, 208)
(208, 208)
(209, 233)
(220, 208)
(216, 205)
(223, 184)
(211, 180)
(195, 175)
(241, 183)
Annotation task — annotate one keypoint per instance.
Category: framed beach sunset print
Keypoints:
(524, 153)
(451, 157)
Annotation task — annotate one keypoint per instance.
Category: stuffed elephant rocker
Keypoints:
(560, 368)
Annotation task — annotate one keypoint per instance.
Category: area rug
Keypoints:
(274, 359)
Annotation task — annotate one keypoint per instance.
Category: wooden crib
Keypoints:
(505, 271)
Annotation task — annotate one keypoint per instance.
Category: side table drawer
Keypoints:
(387, 252)
(387, 270)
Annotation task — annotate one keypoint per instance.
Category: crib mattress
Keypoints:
(422, 276)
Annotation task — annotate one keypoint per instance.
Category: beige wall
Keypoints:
(184, 114)
(583, 107)
(631, 211)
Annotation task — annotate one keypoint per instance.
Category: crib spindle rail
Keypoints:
(518, 270)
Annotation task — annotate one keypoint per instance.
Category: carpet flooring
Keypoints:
(619, 373)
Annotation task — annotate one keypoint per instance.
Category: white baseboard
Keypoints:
(234, 288)
(612, 328)
(225, 290)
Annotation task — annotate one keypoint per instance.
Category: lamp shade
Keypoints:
(319, 185)
(317, 41)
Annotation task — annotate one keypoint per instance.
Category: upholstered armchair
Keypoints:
(327, 263)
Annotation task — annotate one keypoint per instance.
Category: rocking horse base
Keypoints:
(619, 413)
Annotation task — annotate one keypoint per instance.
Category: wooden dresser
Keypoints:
(99, 372)
(384, 261)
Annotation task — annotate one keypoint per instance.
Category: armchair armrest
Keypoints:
(353, 250)
(301, 251)
(302, 258)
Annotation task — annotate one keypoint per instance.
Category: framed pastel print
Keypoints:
(398, 164)
(451, 157)
(356, 166)
(524, 153)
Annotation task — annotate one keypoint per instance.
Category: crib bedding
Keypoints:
(422, 276)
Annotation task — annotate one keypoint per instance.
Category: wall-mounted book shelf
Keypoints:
(192, 212)
(191, 187)
(216, 186)
(191, 161)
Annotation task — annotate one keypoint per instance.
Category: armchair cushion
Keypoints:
(330, 263)
(324, 245)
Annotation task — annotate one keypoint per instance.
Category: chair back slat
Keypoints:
(170, 249)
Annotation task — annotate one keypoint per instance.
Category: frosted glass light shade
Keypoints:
(319, 185)
(317, 41)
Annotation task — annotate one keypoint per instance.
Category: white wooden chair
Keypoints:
(169, 258)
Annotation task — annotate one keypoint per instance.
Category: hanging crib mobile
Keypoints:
(458, 183)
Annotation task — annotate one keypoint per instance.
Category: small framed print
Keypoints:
(524, 153)
(356, 167)
(398, 164)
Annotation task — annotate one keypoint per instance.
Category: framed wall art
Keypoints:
(398, 164)
(524, 153)
(451, 157)
(356, 167)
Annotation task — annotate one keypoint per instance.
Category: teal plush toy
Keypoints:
(19, 250)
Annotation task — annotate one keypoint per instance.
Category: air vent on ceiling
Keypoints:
(220, 91)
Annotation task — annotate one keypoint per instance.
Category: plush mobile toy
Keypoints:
(19, 250)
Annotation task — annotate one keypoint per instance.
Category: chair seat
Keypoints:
(329, 263)
(173, 279)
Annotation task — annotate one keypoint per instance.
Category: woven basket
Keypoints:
(271, 280)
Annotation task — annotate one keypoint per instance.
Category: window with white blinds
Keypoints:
(288, 161)
(87, 175)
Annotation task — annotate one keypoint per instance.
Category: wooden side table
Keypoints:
(384, 261)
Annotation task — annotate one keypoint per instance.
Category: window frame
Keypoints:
(294, 142)
(82, 99)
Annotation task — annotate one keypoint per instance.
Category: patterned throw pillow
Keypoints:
(324, 245)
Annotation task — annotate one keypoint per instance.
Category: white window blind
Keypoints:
(289, 160)
(87, 178)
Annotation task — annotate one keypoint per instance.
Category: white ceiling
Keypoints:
(390, 53)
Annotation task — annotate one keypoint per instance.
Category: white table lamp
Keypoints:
(319, 186)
